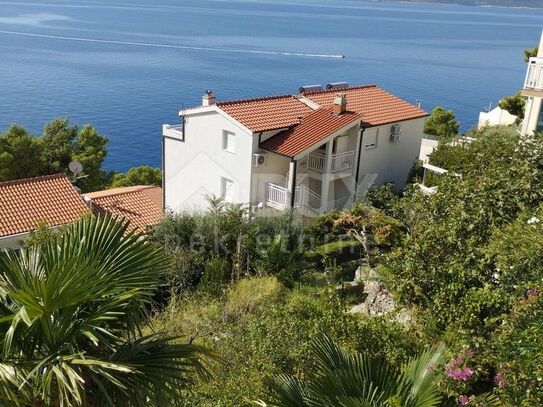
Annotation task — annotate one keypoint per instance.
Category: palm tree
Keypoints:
(71, 317)
(344, 379)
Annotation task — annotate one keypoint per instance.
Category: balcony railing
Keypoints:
(277, 196)
(317, 162)
(340, 203)
(306, 198)
(312, 161)
(173, 131)
(343, 161)
(534, 76)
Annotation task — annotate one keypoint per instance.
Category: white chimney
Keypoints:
(340, 104)
(209, 98)
(540, 53)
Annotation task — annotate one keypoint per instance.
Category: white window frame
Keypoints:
(373, 144)
(229, 141)
(227, 189)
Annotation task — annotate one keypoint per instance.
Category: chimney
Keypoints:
(340, 104)
(540, 52)
(209, 98)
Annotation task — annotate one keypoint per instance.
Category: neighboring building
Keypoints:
(25, 204)
(141, 205)
(496, 117)
(315, 150)
(533, 90)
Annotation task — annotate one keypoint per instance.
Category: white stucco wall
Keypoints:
(13, 242)
(194, 168)
(390, 162)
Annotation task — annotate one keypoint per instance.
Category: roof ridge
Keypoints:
(256, 99)
(318, 92)
(32, 179)
(120, 191)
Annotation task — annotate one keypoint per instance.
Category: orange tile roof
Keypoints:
(269, 113)
(315, 127)
(376, 105)
(276, 112)
(141, 205)
(27, 203)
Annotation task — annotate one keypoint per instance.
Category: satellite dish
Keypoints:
(75, 167)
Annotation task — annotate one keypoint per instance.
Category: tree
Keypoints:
(530, 53)
(65, 142)
(20, 154)
(143, 175)
(344, 379)
(514, 105)
(90, 149)
(71, 317)
(58, 137)
(442, 123)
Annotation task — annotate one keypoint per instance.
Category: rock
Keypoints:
(378, 301)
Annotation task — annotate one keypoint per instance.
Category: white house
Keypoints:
(533, 90)
(496, 117)
(315, 150)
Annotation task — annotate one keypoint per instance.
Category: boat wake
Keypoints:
(173, 46)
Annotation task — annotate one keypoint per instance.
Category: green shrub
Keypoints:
(249, 295)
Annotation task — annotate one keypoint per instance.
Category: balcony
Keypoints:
(173, 131)
(306, 201)
(317, 162)
(343, 161)
(534, 76)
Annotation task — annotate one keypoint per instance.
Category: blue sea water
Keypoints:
(127, 66)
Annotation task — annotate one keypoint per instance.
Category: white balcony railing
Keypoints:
(317, 162)
(312, 161)
(534, 76)
(340, 203)
(277, 196)
(173, 131)
(342, 161)
(306, 198)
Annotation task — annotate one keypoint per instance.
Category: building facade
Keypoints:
(533, 90)
(316, 150)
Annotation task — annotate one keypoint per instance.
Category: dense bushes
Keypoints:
(258, 328)
(472, 251)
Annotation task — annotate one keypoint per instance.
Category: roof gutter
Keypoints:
(359, 155)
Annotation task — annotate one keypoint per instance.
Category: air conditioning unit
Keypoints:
(259, 159)
(395, 132)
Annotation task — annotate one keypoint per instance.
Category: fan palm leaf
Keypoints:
(346, 379)
(71, 316)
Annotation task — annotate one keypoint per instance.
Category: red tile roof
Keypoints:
(27, 203)
(315, 127)
(276, 112)
(141, 205)
(269, 113)
(376, 105)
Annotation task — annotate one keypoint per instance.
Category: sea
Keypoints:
(128, 66)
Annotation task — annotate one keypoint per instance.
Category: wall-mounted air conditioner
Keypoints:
(259, 159)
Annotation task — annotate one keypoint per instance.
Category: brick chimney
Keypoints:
(209, 98)
(340, 104)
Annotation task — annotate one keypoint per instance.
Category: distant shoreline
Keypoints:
(498, 3)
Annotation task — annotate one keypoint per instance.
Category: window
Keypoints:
(370, 139)
(227, 189)
(228, 141)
